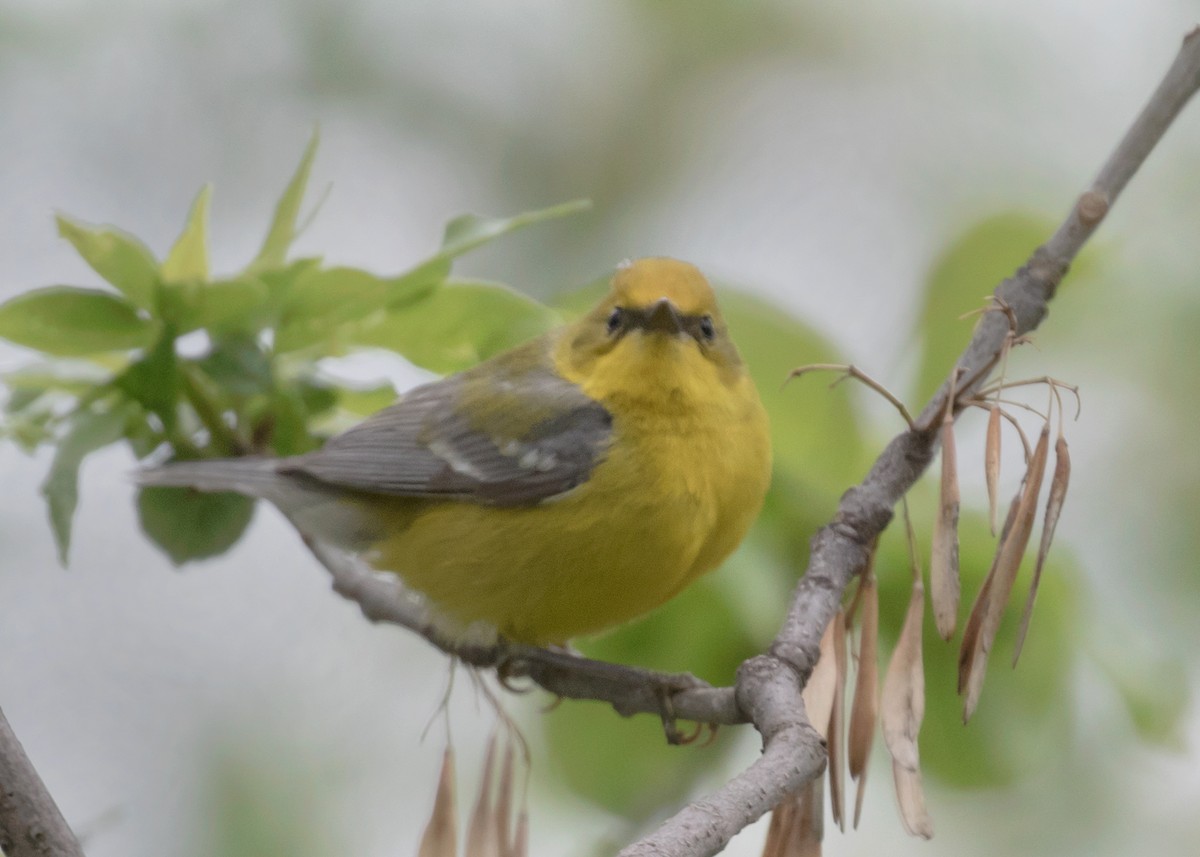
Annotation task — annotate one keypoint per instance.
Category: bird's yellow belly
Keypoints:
(638, 531)
(547, 573)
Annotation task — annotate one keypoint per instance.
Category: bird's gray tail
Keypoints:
(256, 477)
(316, 510)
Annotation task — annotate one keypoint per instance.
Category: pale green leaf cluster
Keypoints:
(113, 372)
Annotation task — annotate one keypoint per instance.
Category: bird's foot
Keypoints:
(628, 689)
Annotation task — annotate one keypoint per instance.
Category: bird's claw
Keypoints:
(666, 686)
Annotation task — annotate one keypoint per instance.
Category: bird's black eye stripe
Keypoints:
(614, 320)
(706, 328)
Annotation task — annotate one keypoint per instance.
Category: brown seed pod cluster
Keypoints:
(498, 826)
(796, 825)
(988, 609)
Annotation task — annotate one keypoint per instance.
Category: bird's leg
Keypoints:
(628, 689)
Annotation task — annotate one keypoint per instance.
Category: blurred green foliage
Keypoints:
(113, 372)
(264, 799)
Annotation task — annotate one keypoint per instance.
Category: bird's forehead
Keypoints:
(645, 281)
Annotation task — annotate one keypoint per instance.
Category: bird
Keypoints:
(556, 490)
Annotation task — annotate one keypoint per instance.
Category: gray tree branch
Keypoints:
(768, 688)
(30, 823)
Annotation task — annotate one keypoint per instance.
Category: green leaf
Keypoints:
(289, 432)
(29, 417)
(970, 267)
(280, 420)
(190, 525)
(21, 398)
(814, 431)
(69, 321)
(317, 396)
(458, 325)
(88, 430)
(350, 406)
(188, 259)
(469, 231)
(153, 382)
(119, 258)
(283, 226)
(238, 366)
(281, 281)
(1152, 684)
(320, 301)
(364, 402)
(143, 438)
(625, 765)
(68, 376)
(224, 305)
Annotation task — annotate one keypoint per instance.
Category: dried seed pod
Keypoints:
(943, 565)
(903, 709)
(966, 652)
(1054, 504)
(440, 838)
(837, 725)
(808, 833)
(1002, 577)
(796, 824)
(818, 693)
(520, 841)
(864, 710)
(780, 829)
(991, 462)
(910, 794)
(867, 573)
(481, 829)
(504, 802)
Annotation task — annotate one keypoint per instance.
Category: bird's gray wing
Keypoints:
(504, 436)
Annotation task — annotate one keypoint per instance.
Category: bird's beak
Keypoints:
(664, 317)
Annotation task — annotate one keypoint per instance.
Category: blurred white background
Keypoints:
(819, 153)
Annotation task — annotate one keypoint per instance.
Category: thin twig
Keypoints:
(1012, 403)
(224, 437)
(849, 370)
(1053, 383)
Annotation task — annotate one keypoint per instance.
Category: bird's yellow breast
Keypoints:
(681, 482)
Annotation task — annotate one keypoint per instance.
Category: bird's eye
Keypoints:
(614, 320)
(706, 328)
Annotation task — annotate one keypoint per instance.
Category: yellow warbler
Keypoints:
(558, 489)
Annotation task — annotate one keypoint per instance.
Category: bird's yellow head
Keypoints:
(658, 335)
